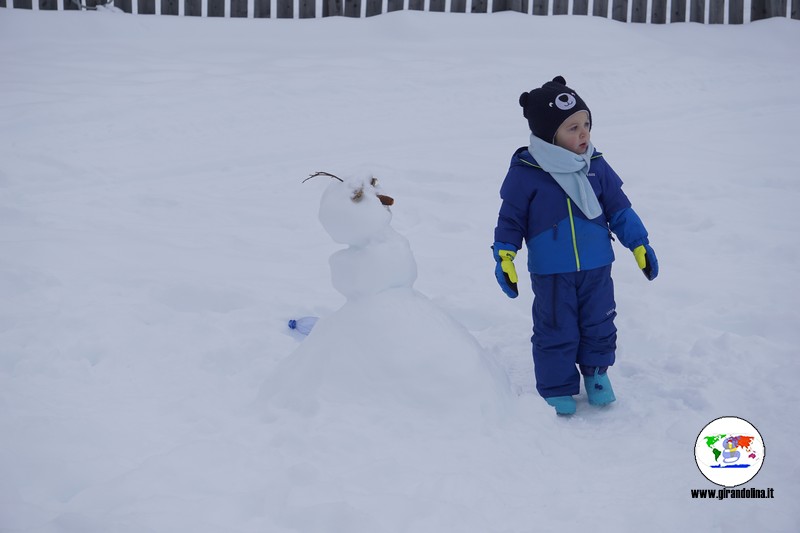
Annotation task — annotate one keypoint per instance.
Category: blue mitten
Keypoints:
(647, 261)
(504, 271)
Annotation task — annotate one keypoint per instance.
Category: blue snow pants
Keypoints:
(573, 324)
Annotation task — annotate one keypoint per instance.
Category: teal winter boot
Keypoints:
(565, 405)
(598, 388)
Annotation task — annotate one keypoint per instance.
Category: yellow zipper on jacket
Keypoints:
(574, 240)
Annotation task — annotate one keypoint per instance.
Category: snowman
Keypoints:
(388, 350)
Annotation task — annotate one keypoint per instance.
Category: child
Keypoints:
(563, 199)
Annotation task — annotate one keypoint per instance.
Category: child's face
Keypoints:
(573, 134)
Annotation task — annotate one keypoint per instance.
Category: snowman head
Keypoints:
(354, 211)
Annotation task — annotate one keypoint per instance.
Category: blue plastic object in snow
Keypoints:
(304, 324)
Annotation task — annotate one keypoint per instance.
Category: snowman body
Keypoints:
(385, 262)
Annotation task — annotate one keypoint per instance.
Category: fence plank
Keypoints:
(735, 11)
(332, 8)
(191, 8)
(238, 8)
(169, 7)
(540, 7)
(796, 9)
(659, 14)
(479, 6)
(284, 9)
(437, 6)
(394, 5)
(678, 11)
(580, 7)
(560, 7)
(306, 9)
(23, 4)
(619, 10)
(757, 9)
(352, 8)
(44, 5)
(147, 7)
(458, 6)
(416, 5)
(520, 6)
(216, 8)
(697, 11)
(374, 7)
(764, 9)
(639, 11)
(600, 8)
(125, 5)
(716, 11)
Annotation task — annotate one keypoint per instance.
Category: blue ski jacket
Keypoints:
(559, 236)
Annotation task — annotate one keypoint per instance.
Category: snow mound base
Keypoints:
(393, 351)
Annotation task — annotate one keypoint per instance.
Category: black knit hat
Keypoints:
(547, 107)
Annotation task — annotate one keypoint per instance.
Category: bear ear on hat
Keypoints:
(560, 79)
(523, 99)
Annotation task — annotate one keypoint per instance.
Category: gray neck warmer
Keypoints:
(570, 172)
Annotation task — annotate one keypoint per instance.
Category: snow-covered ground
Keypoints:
(156, 238)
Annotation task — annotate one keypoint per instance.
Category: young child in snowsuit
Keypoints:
(563, 199)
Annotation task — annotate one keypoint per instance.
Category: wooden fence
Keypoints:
(653, 11)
